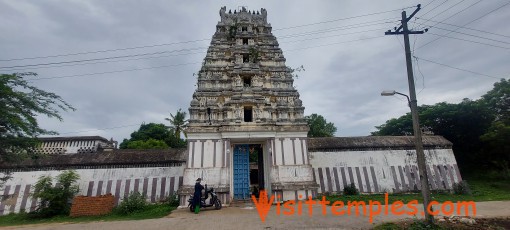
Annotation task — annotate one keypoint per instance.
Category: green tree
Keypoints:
(145, 133)
(149, 144)
(177, 122)
(152, 136)
(402, 126)
(55, 200)
(319, 127)
(497, 146)
(497, 138)
(479, 130)
(175, 142)
(20, 104)
(462, 124)
(498, 100)
(150, 131)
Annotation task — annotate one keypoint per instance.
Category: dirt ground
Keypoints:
(245, 216)
(497, 223)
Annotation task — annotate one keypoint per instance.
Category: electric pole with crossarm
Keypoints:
(420, 155)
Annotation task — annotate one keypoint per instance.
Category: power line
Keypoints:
(336, 35)
(59, 66)
(472, 35)
(467, 28)
(115, 71)
(183, 42)
(422, 76)
(341, 19)
(131, 59)
(167, 66)
(429, 3)
(336, 43)
(98, 59)
(490, 12)
(103, 62)
(448, 8)
(453, 67)
(103, 51)
(462, 39)
(435, 7)
(347, 27)
(453, 15)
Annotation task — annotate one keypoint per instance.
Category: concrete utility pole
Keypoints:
(420, 155)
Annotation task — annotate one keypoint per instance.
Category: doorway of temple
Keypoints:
(248, 170)
(256, 169)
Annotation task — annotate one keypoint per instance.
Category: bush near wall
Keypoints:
(92, 206)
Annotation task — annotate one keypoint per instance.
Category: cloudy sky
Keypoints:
(127, 62)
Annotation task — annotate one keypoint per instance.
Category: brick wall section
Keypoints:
(92, 205)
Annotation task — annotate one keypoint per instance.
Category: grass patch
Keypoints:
(481, 223)
(387, 226)
(413, 225)
(482, 190)
(151, 212)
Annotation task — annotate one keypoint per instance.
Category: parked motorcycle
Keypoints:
(214, 201)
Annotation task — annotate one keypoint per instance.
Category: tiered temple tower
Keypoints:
(245, 104)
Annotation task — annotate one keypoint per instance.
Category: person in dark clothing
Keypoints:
(197, 196)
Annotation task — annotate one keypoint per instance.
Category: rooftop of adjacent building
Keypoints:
(74, 144)
(100, 159)
(74, 138)
(175, 157)
(375, 142)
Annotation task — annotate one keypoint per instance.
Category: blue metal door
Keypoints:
(241, 172)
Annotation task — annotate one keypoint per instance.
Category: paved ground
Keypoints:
(246, 217)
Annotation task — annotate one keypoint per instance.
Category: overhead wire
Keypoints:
(166, 66)
(472, 35)
(476, 19)
(341, 19)
(457, 68)
(467, 28)
(346, 27)
(336, 35)
(462, 39)
(422, 76)
(103, 51)
(335, 43)
(115, 71)
(448, 8)
(60, 64)
(425, 6)
(191, 41)
(453, 15)
(98, 59)
(103, 62)
(435, 7)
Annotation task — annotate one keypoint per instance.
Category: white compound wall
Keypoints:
(156, 183)
(379, 171)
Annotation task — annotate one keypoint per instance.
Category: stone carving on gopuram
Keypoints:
(245, 103)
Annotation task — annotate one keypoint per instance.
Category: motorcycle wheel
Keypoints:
(217, 204)
(191, 208)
